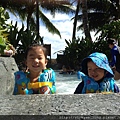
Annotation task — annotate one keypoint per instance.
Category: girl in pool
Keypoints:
(96, 75)
(38, 79)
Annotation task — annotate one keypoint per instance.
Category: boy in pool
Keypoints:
(37, 79)
(97, 76)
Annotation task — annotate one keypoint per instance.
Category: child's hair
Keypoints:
(36, 45)
(85, 65)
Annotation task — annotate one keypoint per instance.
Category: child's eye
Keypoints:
(39, 58)
(98, 69)
(89, 69)
(31, 58)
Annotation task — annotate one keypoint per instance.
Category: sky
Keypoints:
(63, 23)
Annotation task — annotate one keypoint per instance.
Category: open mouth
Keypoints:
(94, 76)
(35, 66)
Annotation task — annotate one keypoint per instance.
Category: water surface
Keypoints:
(66, 83)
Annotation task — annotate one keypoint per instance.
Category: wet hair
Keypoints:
(111, 41)
(30, 47)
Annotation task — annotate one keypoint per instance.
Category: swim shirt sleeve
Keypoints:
(116, 89)
(79, 88)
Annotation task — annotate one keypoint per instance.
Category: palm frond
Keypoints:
(51, 28)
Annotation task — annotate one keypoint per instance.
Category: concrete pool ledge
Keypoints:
(87, 104)
(57, 104)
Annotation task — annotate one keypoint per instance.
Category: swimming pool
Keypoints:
(66, 83)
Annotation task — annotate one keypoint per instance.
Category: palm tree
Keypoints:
(75, 20)
(53, 6)
(85, 20)
(106, 18)
(29, 8)
(101, 12)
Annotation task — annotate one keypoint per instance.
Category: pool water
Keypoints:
(66, 83)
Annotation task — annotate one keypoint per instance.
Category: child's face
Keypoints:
(94, 71)
(36, 60)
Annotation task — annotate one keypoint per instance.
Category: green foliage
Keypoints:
(3, 17)
(20, 39)
(77, 50)
(110, 30)
(4, 43)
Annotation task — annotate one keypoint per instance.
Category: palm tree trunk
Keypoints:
(37, 20)
(118, 8)
(28, 21)
(85, 20)
(75, 21)
(29, 9)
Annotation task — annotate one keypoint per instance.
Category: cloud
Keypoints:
(14, 19)
(64, 24)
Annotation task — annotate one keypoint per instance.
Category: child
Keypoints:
(38, 79)
(97, 75)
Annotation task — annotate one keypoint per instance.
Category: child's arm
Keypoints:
(79, 88)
